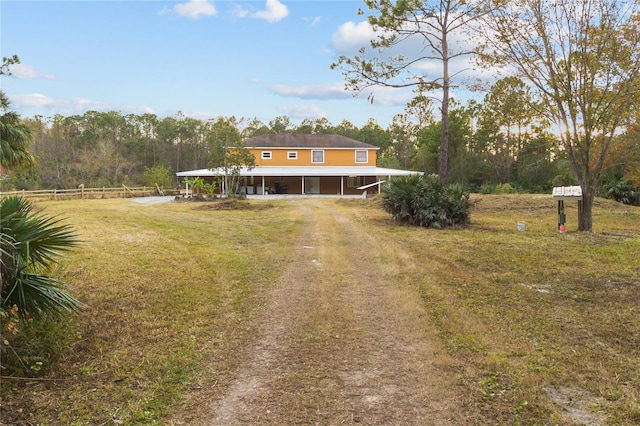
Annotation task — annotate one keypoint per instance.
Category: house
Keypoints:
(308, 164)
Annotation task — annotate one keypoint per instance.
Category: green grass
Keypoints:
(171, 288)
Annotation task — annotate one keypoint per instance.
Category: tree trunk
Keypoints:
(443, 170)
(585, 210)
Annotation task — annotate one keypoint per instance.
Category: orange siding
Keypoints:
(332, 157)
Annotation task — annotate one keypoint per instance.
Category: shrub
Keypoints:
(30, 245)
(31, 345)
(34, 306)
(157, 175)
(505, 188)
(621, 190)
(424, 201)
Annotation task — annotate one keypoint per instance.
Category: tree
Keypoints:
(509, 109)
(461, 166)
(582, 57)
(254, 128)
(15, 137)
(403, 143)
(30, 244)
(228, 152)
(280, 124)
(431, 23)
(157, 175)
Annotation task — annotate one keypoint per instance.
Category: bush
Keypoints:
(34, 307)
(424, 201)
(30, 245)
(31, 345)
(505, 188)
(157, 175)
(621, 190)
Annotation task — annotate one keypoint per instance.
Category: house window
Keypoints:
(292, 155)
(317, 156)
(266, 155)
(355, 181)
(362, 156)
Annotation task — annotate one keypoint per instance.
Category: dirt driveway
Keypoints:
(339, 341)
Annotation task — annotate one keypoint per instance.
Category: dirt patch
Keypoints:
(338, 342)
(230, 204)
(576, 404)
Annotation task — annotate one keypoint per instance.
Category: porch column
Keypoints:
(302, 185)
(262, 185)
(341, 185)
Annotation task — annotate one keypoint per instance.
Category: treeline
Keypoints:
(500, 144)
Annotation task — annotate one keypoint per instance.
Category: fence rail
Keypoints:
(92, 193)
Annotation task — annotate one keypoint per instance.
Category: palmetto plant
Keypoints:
(425, 201)
(30, 246)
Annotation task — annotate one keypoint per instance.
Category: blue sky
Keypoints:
(256, 59)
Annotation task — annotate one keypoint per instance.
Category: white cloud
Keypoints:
(274, 12)
(324, 91)
(35, 100)
(238, 12)
(28, 71)
(37, 103)
(300, 112)
(385, 96)
(314, 21)
(194, 9)
(351, 36)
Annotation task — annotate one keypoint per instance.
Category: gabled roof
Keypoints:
(289, 140)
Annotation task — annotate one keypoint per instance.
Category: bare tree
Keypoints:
(433, 23)
(583, 59)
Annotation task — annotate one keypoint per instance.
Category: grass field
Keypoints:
(538, 322)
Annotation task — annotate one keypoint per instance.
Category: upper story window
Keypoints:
(362, 156)
(317, 156)
(266, 155)
(292, 155)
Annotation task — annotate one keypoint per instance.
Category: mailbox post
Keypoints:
(562, 193)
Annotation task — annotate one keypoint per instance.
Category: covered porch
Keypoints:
(316, 180)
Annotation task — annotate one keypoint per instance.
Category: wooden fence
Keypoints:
(92, 193)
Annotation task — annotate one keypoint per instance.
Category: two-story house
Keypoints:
(308, 164)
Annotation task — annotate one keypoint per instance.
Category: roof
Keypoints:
(313, 171)
(566, 192)
(291, 140)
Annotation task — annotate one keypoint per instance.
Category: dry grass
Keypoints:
(544, 326)
(168, 289)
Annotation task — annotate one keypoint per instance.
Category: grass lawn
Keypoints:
(535, 318)
(538, 321)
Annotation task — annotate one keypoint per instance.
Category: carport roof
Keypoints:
(288, 171)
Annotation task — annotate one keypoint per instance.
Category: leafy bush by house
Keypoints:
(424, 201)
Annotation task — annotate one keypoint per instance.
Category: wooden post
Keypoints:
(561, 214)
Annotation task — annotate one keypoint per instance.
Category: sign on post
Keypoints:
(562, 193)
